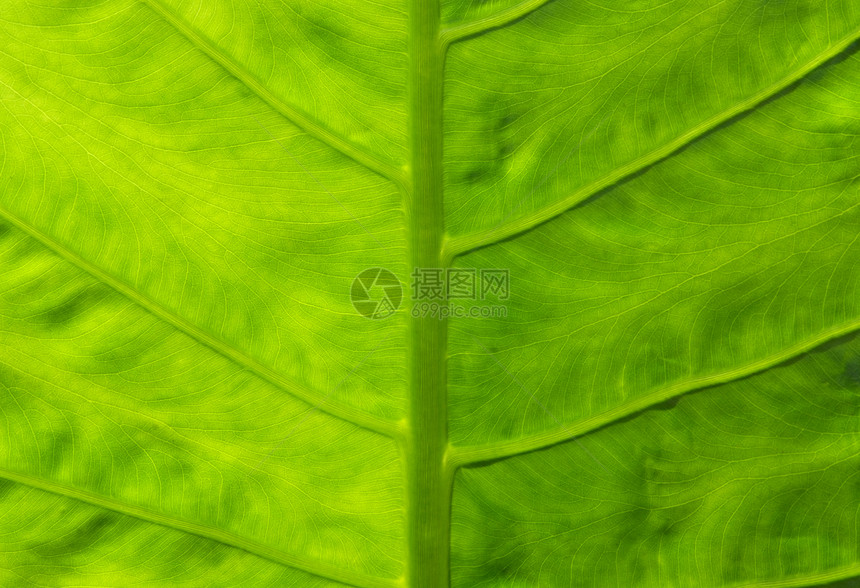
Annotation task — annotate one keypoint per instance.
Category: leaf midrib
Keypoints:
(428, 477)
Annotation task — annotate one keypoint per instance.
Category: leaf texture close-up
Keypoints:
(201, 199)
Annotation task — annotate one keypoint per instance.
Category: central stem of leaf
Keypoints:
(428, 498)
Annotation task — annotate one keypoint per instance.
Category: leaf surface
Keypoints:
(188, 396)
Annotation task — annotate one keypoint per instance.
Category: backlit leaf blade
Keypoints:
(712, 265)
(578, 90)
(190, 192)
(106, 404)
(146, 159)
(752, 483)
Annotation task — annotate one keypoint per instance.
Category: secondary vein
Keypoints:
(375, 164)
(461, 31)
(810, 580)
(313, 397)
(461, 244)
(321, 569)
(465, 455)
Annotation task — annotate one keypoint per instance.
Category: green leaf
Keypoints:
(192, 192)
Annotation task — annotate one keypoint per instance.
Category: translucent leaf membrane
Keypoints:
(573, 91)
(127, 145)
(459, 12)
(712, 264)
(343, 63)
(189, 396)
(49, 541)
(753, 483)
(99, 396)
